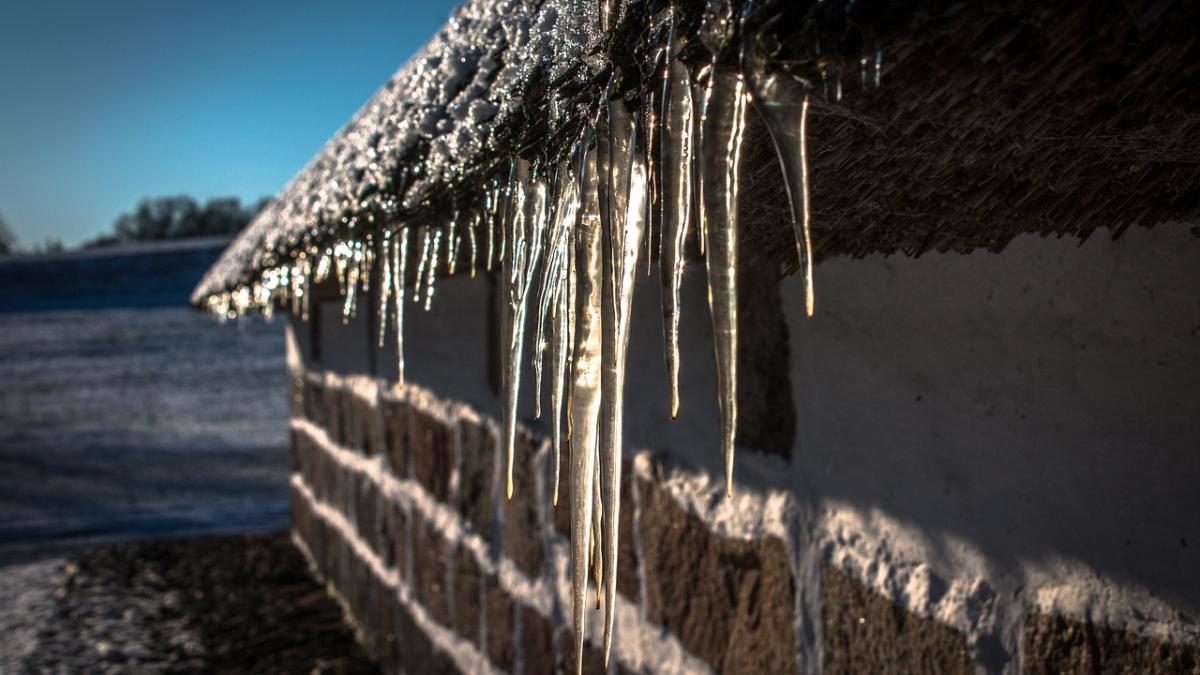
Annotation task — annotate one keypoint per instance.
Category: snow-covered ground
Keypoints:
(119, 423)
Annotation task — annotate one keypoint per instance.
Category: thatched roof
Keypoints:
(991, 120)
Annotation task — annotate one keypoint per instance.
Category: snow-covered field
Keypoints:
(119, 423)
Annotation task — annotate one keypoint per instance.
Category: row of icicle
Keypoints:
(567, 238)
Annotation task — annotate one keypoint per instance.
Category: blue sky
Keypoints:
(103, 102)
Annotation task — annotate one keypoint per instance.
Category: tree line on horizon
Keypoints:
(156, 219)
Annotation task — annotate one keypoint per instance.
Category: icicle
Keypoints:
(598, 513)
(677, 204)
(385, 287)
(702, 91)
(366, 254)
(507, 214)
(474, 245)
(782, 101)
(544, 297)
(619, 276)
(432, 270)
(724, 124)
(653, 134)
(553, 276)
(400, 264)
(585, 392)
(351, 290)
(566, 217)
(452, 240)
(426, 242)
(323, 267)
(616, 185)
(527, 233)
(493, 208)
(306, 289)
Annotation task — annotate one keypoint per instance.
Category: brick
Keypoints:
(1055, 644)
(296, 403)
(395, 527)
(499, 609)
(388, 645)
(352, 424)
(537, 642)
(415, 650)
(314, 402)
(332, 413)
(295, 451)
(429, 443)
(864, 632)
(347, 490)
(366, 513)
(729, 602)
(429, 570)
(467, 596)
(522, 526)
(395, 431)
(366, 608)
(371, 419)
(477, 484)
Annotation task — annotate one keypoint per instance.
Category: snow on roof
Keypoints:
(992, 119)
(431, 122)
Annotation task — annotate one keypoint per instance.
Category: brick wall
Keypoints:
(909, 528)
(396, 501)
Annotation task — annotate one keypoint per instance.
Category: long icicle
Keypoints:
(565, 218)
(400, 264)
(426, 242)
(563, 346)
(585, 394)
(385, 287)
(702, 92)
(548, 286)
(527, 234)
(471, 234)
(493, 207)
(620, 276)
(431, 270)
(782, 102)
(677, 208)
(723, 128)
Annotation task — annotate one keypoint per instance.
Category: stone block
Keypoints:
(428, 582)
(729, 602)
(522, 527)
(1055, 644)
(537, 642)
(498, 607)
(395, 432)
(864, 632)
(432, 460)
(477, 484)
(366, 513)
(468, 594)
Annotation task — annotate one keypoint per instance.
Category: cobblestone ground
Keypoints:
(229, 605)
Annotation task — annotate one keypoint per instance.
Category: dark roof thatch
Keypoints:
(992, 119)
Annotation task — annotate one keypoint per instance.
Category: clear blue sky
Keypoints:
(103, 102)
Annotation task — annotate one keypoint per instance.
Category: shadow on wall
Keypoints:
(1038, 404)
